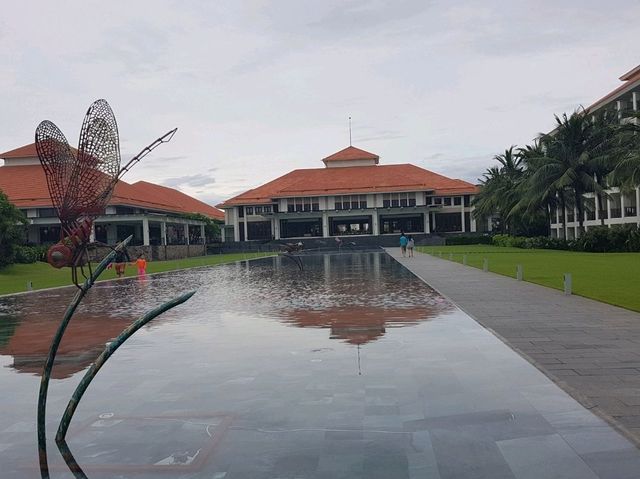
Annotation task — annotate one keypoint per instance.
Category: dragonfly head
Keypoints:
(60, 255)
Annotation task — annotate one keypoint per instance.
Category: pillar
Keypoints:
(473, 222)
(186, 233)
(462, 215)
(427, 226)
(609, 209)
(622, 215)
(92, 235)
(276, 228)
(376, 223)
(203, 234)
(325, 225)
(145, 231)
(245, 224)
(635, 99)
(638, 204)
(236, 224)
(163, 233)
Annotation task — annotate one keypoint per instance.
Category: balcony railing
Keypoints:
(629, 210)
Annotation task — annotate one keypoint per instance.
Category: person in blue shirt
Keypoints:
(403, 244)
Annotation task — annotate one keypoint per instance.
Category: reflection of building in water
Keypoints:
(84, 340)
(362, 324)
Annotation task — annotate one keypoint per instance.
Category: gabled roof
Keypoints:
(631, 80)
(26, 187)
(177, 198)
(352, 180)
(351, 153)
(26, 151)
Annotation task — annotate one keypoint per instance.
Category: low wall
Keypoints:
(328, 243)
(154, 253)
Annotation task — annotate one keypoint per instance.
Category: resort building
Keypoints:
(353, 195)
(153, 214)
(620, 207)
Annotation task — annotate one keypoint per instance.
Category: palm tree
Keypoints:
(626, 171)
(569, 165)
(498, 189)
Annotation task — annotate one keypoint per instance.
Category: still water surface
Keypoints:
(352, 368)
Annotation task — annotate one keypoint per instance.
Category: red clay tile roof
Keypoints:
(351, 153)
(630, 80)
(26, 187)
(352, 179)
(178, 199)
(26, 151)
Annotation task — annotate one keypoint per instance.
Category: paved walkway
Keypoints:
(590, 349)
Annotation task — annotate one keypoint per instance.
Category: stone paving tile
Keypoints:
(590, 348)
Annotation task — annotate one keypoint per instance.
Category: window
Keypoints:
(258, 210)
(386, 200)
(47, 213)
(290, 205)
(299, 204)
(447, 201)
(249, 210)
(437, 200)
(302, 204)
(350, 202)
(266, 209)
(457, 200)
(395, 200)
(429, 200)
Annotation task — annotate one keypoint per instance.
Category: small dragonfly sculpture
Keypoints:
(81, 181)
(80, 184)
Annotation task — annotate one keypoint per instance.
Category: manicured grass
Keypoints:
(609, 277)
(14, 278)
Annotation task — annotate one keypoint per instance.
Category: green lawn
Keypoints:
(609, 277)
(14, 278)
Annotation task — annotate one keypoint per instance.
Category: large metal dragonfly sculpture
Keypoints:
(80, 184)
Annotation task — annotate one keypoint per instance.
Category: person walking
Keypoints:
(403, 244)
(120, 261)
(141, 263)
(410, 245)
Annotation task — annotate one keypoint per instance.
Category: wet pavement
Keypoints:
(352, 368)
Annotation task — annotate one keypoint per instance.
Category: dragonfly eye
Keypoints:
(59, 256)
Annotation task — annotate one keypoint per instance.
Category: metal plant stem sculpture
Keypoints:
(80, 184)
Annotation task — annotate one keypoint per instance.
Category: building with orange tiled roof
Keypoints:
(153, 214)
(618, 207)
(352, 195)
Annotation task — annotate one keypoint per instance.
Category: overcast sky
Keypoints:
(259, 88)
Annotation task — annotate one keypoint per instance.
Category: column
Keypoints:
(427, 226)
(325, 224)
(236, 224)
(145, 231)
(609, 210)
(92, 235)
(433, 225)
(276, 228)
(376, 223)
(462, 215)
(619, 108)
(635, 99)
(638, 204)
(473, 222)
(622, 215)
(186, 233)
(203, 234)
(163, 233)
(246, 236)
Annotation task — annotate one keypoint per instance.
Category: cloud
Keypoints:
(191, 181)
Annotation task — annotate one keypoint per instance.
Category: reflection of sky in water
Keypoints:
(341, 292)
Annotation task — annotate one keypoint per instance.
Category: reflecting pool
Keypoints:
(351, 368)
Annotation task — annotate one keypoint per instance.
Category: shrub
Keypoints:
(462, 240)
(30, 254)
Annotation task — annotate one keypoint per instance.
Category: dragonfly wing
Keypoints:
(58, 161)
(96, 172)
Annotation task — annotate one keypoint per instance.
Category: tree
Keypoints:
(12, 230)
(569, 167)
(626, 171)
(499, 190)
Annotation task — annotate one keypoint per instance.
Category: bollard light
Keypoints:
(519, 272)
(567, 284)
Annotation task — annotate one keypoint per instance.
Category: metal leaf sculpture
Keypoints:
(80, 185)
